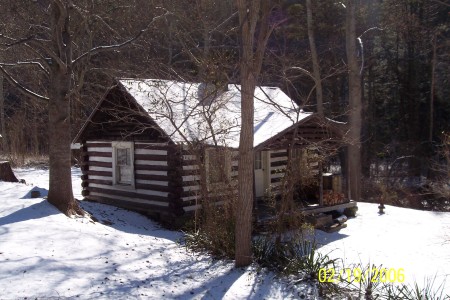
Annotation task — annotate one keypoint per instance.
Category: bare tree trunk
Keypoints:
(243, 249)
(2, 116)
(251, 13)
(60, 190)
(433, 83)
(245, 203)
(314, 57)
(354, 82)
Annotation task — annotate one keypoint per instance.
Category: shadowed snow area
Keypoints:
(122, 256)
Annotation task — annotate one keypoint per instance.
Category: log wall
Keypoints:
(278, 164)
(155, 185)
(168, 178)
(192, 181)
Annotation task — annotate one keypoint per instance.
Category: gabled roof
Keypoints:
(178, 110)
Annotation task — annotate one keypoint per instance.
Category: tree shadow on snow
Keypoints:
(127, 221)
(194, 279)
(259, 286)
(215, 288)
(35, 211)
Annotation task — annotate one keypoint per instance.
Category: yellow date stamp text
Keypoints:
(359, 275)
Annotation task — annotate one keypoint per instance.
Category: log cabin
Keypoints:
(162, 147)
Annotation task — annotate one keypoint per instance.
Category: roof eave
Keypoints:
(260, 146)
(337, 128)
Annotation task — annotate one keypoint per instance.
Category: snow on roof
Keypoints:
(177, 109)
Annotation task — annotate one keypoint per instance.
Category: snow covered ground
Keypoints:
(45, 254)
(417, 241)
(127, 256)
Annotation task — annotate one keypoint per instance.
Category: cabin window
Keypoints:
(123, 163)
(218, 165)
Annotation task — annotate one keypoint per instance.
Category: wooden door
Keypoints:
(262, 173)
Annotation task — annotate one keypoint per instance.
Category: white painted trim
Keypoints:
(150, 162)
(189, 198)
(191, 177)
(100, 149)
(150, 172)
(100, 177)
(136, 200)
(100, 159)
(95, 168)
(191, 167)
(278, 167)
(151, 151)
(276, 159)
(154, 182)
(191, 188)
(127, 188)
(278, 175)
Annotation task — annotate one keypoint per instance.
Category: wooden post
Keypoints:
(347, 179)
(320, 185)
(84, 169)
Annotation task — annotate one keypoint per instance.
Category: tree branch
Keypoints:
(15, 42)
(49, 52)
(441, 2)
(304, 71)
(224, 22)
(21, 88)
(24, 63)
(99, 49)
